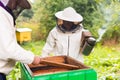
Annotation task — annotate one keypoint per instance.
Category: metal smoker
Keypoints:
(87, 43)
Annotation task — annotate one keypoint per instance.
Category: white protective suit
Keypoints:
(60, 43)
(10, 51)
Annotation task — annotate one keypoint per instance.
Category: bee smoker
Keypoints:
(87, 43)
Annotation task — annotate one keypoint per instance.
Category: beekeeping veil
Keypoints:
(16, 6)
(68, 20)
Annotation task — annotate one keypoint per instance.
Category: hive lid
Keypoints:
(23, 29)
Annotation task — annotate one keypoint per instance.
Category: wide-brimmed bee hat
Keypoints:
(69, 14)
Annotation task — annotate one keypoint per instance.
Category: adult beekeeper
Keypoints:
(65, 37)
(10, 51)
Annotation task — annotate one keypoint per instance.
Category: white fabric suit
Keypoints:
(10, 51)
(61, 43)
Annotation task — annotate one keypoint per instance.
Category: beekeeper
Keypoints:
(65, 38)
(10, 51)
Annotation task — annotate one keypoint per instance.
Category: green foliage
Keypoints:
(15, 74)
(112, 33)
(105, 60)
(35, 47)
(27, 13)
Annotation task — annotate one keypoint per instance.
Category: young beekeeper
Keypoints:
(65, 38)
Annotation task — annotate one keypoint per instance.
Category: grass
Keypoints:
(35, 47)
(104, 59)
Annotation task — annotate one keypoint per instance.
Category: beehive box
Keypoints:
(23, 34)
(49, 72)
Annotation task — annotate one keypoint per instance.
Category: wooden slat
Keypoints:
(35, 66)
(63, 65)
(60, 59)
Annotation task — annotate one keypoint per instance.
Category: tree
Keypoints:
(111, 13)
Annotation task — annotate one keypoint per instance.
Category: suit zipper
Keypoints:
(68, 45)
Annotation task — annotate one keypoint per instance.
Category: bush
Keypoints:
(112, 35)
